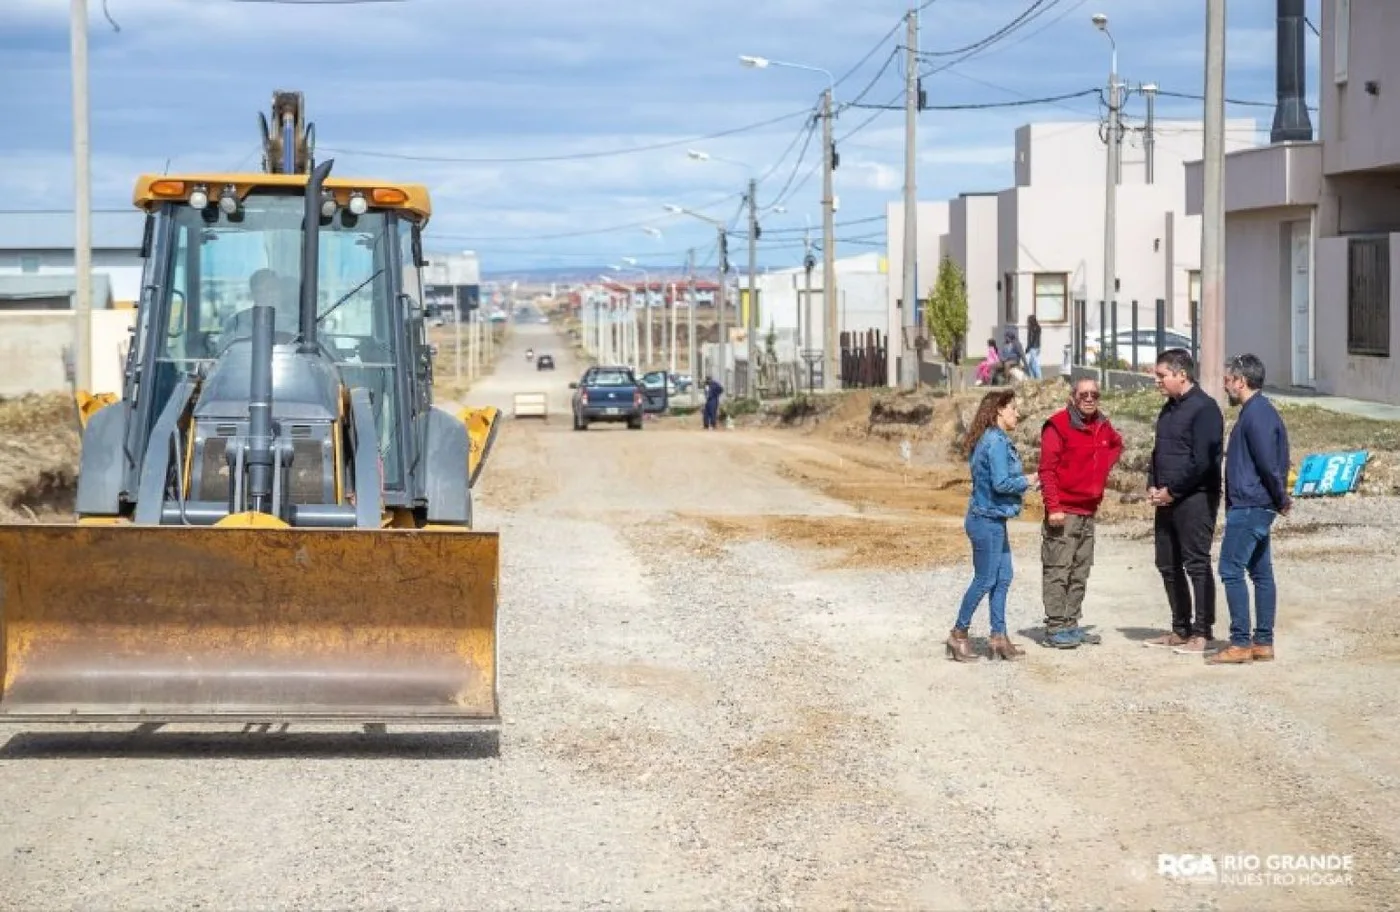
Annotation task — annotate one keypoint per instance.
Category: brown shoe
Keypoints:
(1263, 653)
(1168, 641)
(1193, 646)
(1001, 647)
(1232, 655)
(959, 647)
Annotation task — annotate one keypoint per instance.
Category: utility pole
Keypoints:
(457, 333)
(720, 295)
(831, 370)
(909, 353)
(671, 348)
(809, 263)
(1110, 210)
(646, 313)
(1149, 131)
(690, 319)
(751, 324)
(82, 199)
(1212, 366)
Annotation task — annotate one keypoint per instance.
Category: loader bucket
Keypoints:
(126, 623)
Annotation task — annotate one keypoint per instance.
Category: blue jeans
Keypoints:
(1033, 363)
(1245, 550)
(991, 570)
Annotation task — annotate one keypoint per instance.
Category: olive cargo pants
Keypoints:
(1066, 556)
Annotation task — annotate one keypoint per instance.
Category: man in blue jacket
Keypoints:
(1256, 490)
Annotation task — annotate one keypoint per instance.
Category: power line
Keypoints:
(985, 105)
(1030, 12)
(1234, 101)
(575, 156)
(609, 229)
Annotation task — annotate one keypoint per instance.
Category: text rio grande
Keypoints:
(1259, 870)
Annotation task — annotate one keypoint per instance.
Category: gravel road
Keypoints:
(694, 723)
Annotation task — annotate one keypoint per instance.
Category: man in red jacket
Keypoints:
(1078, 448)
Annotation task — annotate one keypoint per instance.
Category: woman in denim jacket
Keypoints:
(998, 486)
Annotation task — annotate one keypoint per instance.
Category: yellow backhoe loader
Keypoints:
(274, 522)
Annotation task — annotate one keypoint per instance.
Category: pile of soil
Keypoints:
(39, 448)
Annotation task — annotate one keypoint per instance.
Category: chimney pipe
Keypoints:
(1291, 122)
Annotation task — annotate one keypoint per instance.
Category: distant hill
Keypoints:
(568, 275)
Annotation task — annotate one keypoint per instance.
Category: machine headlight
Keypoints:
(358, 206)
(228, 200)
(328, 205)
(199, 197)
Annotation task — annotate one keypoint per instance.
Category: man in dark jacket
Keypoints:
(1256, 490)
(1078, 449)
(1184, 484)
(712, 393)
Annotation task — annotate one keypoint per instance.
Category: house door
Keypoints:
(1300, 298)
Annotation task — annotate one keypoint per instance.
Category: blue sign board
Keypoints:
(1323, 474)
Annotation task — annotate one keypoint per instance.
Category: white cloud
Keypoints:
(512, 79)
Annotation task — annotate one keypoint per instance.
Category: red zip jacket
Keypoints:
(1075, 462)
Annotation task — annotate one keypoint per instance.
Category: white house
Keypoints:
(1051, 224)
(1312, 228)
(972, 245)
(931, 226)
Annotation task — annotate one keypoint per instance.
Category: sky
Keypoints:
(529, 120)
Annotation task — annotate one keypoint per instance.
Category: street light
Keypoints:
(832, 368)
(1110, 209)
(646, 299)
(723, 254)
(751, 322)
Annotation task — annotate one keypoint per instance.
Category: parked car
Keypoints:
(609, 393)
(1123, 345)
(544, 362)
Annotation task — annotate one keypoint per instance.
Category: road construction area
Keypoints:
(723, 686)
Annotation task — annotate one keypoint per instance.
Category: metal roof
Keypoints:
(112, 229)
(29, 287)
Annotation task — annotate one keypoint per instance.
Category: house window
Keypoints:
(29, 263)
(1052, 297)
(1008, 284)
(1368, 296)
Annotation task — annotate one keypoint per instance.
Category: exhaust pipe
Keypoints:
(1291, 123)
(260, 457)
(311, 255)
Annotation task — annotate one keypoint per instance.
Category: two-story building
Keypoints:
(1312, 227)
(1050, 229)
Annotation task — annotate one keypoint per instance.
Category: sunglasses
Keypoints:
(1088, 396)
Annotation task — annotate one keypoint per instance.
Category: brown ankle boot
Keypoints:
(1001, 647)
(959, 647)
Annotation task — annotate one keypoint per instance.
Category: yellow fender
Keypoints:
(90, 404)
(482, 423)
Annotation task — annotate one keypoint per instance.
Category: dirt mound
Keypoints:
(39, 447)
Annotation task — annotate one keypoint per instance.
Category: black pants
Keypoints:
(1184, 532)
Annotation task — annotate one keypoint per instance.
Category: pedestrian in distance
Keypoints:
(1033, 347)
(712, 393)
(998, 489)
(1078, 449)
(1256, 491)
(1184, 484)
